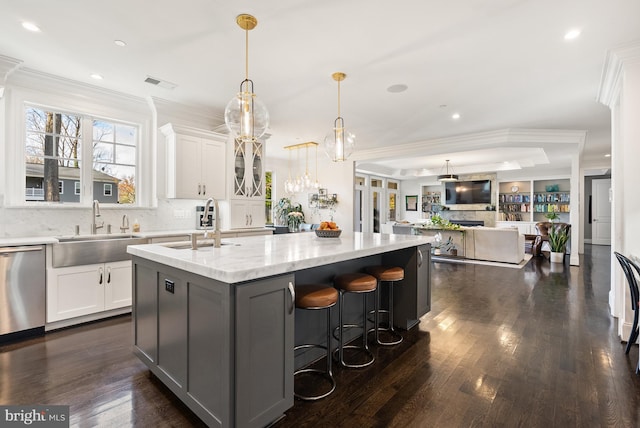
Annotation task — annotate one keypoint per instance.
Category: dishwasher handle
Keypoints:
(23, 249)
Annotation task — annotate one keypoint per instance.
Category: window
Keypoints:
(114, 156)
(57, 142)
(52, 152)
(61, 187)
(268, 197)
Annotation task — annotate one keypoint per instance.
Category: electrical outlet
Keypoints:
(169, 286)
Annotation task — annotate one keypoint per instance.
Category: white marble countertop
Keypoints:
(249, 258)
(40, 240)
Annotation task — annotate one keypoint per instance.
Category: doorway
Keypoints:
(601, 212)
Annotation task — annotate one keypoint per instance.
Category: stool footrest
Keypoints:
(317, 372)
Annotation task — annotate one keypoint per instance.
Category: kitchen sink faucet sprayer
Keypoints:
(95, 213)
(125, 224)
(216, 233)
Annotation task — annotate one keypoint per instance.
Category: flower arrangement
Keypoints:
(294, 218)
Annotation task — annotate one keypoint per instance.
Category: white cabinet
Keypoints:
(83, 290)
(196, 167)
(247, 214)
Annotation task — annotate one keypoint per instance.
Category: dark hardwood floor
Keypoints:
(500, 348)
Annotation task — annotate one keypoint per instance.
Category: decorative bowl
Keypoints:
(328, 233)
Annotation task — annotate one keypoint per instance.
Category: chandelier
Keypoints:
(448, 176)
(302, 182)
(245, 115)
(339, 143)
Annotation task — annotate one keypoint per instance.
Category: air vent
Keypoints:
(158, 82)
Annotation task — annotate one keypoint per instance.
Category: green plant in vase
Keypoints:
(558, 238)
(552, 216)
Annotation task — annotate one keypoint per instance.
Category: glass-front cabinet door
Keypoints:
(248, 173)
(239, 157)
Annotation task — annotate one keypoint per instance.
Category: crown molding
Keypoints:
(612, 71)
(480, 140)
(7, 66)
(196, 116)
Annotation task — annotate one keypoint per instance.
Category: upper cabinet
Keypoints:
(248, 172)
(196, 167)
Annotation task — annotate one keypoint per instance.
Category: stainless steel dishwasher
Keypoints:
(22, 291)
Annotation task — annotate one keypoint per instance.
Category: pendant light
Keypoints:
(448, 176)
(339, 143)
(302, 182)
(245, 116)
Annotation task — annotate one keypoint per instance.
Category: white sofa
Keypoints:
(495, 244)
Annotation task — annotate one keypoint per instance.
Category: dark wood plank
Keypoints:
(500, 348)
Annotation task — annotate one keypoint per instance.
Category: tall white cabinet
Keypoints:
(196, 165)
(246, 189)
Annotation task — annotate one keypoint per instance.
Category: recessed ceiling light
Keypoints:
(96, 76)
(455, 116)
(608, 155)
(400, 87)
(31, 27)
(572, 34)
(120, 43)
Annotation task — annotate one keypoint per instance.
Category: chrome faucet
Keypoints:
(216, 233)
(95, 213)
(125, 224)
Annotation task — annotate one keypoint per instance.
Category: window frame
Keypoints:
(91, 103)
(60, 187)
(104, 189)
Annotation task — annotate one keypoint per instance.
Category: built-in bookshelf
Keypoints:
(533, 200)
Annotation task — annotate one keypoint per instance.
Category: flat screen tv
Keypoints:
(468, 192)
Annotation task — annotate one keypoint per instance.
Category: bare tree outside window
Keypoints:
(53, 155)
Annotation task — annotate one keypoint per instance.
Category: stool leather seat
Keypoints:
(386, 273)
(355, 282)
(315, 296)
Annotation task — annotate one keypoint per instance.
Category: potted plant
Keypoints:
(558, 237)
(552, 216)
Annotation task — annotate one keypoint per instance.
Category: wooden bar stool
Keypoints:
(317, 297)
(354, 283)
(390, 275)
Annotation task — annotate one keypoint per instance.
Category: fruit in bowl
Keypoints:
(328, 229)
(328, 225)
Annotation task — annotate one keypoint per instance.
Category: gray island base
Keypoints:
(216, 325)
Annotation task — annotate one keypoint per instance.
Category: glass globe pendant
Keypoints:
(245, 115)
(339, 143)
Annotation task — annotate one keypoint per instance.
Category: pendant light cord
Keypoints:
(246, 54)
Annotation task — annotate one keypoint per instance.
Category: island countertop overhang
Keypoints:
(250, 258)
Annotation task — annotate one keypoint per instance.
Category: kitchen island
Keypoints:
(216, 325)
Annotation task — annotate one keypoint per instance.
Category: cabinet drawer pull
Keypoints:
(419, 258)
(199, 189)
(100, 275)
(109, 275)
(292, 291)
(204, 189)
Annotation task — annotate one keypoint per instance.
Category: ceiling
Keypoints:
(500, 64)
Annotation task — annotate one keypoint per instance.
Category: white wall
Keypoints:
(336, 177)
(620, 90)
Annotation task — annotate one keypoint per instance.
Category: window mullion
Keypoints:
(86, 162)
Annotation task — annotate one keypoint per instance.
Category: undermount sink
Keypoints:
(92, 249)
(80, 238)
